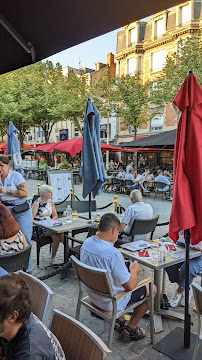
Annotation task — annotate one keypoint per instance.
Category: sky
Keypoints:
(87, 53)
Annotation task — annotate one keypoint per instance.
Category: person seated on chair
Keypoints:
(136, 178)
(23, 335)
(99, 251)
(163, 179)
(11, 237)
(44, 209)
(129, 166)
(149, 179)
(121, 174)
(137, 211)
(176, 274)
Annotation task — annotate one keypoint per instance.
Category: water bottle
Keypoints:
(69, 214)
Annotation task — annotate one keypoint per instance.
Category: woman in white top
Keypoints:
(44, 209)
(13, 194)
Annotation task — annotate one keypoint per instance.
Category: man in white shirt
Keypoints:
(137, 211)
(129, 166)
(163, 179)
(121, 173)
(99, 251)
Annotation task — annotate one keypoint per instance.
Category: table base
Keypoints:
(172, 345)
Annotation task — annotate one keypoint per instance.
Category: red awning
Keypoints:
(73, 146)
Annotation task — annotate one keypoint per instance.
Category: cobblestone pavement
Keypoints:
(66, 291)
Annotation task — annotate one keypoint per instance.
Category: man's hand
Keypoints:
(3, 190)
(134, 267)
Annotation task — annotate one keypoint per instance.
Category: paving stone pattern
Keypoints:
(66, 291)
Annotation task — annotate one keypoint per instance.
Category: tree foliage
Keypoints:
(164, 87)
(134, 98)
(75, 98)
(32, 96)
(105, 95)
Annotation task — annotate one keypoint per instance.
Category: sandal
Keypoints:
(119, 325)
(133, 334)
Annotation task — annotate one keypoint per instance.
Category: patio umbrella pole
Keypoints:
(187, 316)
(89, 206)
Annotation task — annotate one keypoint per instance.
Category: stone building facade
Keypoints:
(143, 46)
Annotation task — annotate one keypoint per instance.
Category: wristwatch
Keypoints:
(9, 192)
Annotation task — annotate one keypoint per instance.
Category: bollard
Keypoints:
(38, 185)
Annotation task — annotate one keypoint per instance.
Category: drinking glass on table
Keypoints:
(98, 215)
(74, 215)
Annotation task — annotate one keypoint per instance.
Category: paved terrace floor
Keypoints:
(66, 291)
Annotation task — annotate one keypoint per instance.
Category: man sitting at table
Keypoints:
(99, 251)
(23, 335)
(137, 211)
(121, 174)
(176, 274)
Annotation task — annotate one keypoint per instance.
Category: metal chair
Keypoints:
(116, 184)
(16, 261)
(40, 242)
(77, 341)
(140, 227)
(41, 296)
(197, 290)
(75, 250)
(98, 281)
(159, 189)
(128, 186)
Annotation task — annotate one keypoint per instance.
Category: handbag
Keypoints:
(17, 209)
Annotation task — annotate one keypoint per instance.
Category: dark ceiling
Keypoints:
(55, 25)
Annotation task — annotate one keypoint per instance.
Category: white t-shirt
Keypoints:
(11, 182)
(137, 211)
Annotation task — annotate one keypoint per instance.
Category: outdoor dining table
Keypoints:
(75, 225)
(171, 258)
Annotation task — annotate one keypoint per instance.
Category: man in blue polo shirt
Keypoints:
(99, 251)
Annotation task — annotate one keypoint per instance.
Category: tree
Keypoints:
(134, 98)
(75, 98)
(32, 96)
(48, 96)
(105, 95)
(164, 88)
(15, 102)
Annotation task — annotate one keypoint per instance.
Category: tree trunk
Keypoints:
(21, 138)
(135, 133)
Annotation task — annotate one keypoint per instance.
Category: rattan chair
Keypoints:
(40, 294)
(197, 290)
(98, 281)
(78, 342)
(16, 261)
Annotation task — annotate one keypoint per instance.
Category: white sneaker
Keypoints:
(53, 261)
(146, 191)
(175, 299)
(183, 297)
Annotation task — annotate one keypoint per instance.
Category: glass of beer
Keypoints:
(74, 215)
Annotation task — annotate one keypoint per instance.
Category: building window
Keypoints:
(131, 65)
(76, 131)
(139, 64)
(133, 36)
(157, 122)
(158, 60)
(131, 129)
(185, 14)
(159, 28)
